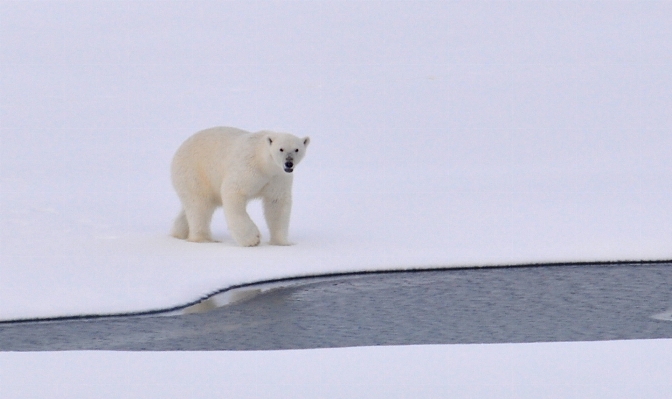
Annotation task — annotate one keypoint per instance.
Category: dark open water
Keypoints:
(491, 305)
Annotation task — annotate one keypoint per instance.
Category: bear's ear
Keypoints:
(270, 140)
(306, 141)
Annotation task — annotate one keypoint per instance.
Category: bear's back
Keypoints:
(201, 161)
(216, 137)
(208, 145)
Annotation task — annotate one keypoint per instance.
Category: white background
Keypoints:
(443, 134)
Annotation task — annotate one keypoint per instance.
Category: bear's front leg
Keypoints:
(241, 226)
(277, 211)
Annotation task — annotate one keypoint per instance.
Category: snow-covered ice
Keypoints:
(444, 134)
(596, 370)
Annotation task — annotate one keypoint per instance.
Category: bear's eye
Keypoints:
(297, 150)
(281, 150)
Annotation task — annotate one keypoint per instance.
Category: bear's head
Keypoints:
(286, 149)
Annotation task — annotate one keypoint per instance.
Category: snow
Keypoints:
(614, 369)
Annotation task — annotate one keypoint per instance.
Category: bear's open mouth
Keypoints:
(289, 170)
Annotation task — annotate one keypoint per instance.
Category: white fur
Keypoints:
(228, 167)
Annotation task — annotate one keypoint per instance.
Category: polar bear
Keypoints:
(228, 167)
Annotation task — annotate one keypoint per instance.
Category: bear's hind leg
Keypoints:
(181, 227)
(198, 217)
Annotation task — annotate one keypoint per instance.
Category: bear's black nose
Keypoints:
(289, 165)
